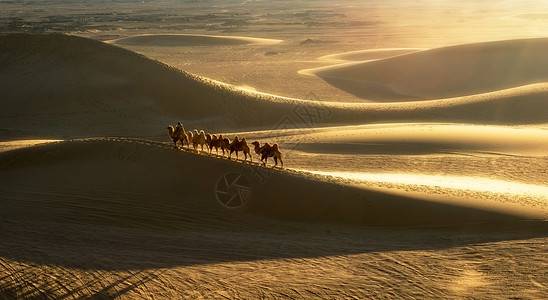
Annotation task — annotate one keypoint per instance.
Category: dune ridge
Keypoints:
(365, 55)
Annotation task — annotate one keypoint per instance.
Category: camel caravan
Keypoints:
(210, 141)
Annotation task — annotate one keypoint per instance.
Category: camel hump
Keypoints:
(275, 147)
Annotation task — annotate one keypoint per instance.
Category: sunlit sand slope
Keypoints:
(444, 72)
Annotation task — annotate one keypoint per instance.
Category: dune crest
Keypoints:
(369, 54)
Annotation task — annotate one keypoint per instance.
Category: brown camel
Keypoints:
(239, 145)
(215, 143)
(224, 144)
(209, 140)
(198, 138)
(267, 151)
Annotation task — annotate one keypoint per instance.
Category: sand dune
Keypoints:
(159, 185)
(191, 40)
(444, 72)
(83, 88)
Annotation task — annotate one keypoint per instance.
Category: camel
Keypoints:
(208, 141)
(214, 142)
(211, 141)
(239, 145)
(267, 151)
(198, 138)
(178, 134)
(224, 143)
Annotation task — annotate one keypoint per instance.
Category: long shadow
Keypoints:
(22, 284)
(92, 247)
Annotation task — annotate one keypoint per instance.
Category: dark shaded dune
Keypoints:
(146, 184)
(65, 64)
(67, 83)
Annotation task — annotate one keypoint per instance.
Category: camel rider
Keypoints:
(179, 127)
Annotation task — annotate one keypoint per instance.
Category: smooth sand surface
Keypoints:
(444, 72)
(381, 197)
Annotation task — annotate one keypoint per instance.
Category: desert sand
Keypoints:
(415, 163)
